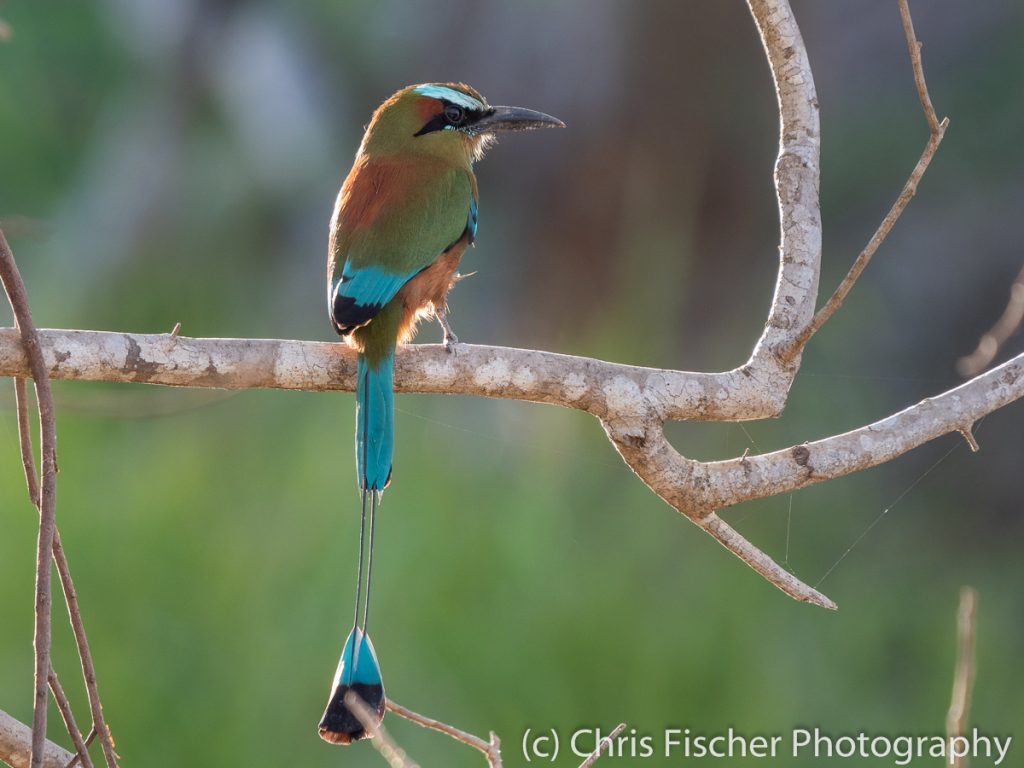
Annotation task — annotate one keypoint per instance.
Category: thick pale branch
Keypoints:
(663, 469)
(797, 176)
(755, 477)
(697, 488)
(596, 387)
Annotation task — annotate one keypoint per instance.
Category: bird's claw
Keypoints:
(450, 339)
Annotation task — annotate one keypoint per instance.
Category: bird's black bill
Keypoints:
(514, 119)
(339, 725)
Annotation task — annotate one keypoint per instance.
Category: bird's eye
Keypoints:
(454, 115)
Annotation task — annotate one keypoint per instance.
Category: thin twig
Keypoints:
(1006, 326)
(938, 131)
(968, 436)
(491, 749)
(25, 440)
(389, 750)
(602, 746)
(914, 47)
(84, 653)
(963, 678)
(88, 743)
(18, 297)
(764, 565)
(64, 706)
(67, 584)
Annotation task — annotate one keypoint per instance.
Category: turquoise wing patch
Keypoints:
(361, 293)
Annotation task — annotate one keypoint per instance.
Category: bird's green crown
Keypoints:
(433, 119)
(450, 121)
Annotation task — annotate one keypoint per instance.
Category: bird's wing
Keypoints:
(389, 226)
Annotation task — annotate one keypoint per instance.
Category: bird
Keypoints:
(405, 215)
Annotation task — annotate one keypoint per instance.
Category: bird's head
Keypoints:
(450, 121)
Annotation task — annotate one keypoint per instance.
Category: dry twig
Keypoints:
(603, 746)
(64, 706)
(46, 500)
(389, 750)
(938, 130)
(963, 678)
(1006, 326)
(88, 742)
(491, 749)
(64, 573)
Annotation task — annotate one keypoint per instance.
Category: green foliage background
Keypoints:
(167, 162)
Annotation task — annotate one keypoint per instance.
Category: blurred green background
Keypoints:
(166, 162)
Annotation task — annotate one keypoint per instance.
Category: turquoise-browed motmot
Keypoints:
(404, 216)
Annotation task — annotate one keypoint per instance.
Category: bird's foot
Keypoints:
(450, 339)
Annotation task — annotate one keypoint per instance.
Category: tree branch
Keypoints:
(694, 488)
(602, 746)
(914, 48)
(963, 678)
(989, 345)
(47, 499)
(597, 387)
(68, 586)
(64, 706)
(697, 488)
(490, 749)
(381, 740)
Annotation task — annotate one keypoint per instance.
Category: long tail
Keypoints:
(375, 421)
(358, 670)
